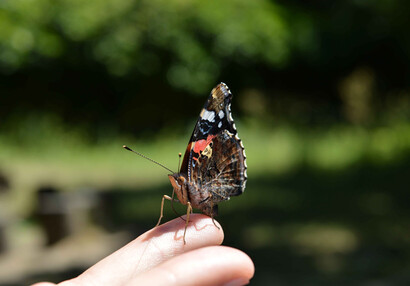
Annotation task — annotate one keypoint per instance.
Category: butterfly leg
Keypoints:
(188, 212)
(212, 214)
(172, 205)
(162, 208)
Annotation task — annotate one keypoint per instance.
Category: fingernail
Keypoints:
(237, 282)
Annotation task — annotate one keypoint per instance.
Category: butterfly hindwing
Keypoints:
(220, 169)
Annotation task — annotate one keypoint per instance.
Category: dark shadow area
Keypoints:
(370, 202)
(51, 214)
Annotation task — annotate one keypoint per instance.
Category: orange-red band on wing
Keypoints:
(200, 145)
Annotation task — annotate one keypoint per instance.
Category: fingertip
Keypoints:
(204, 228)
(213, 265)
(201, 230)
(248, 268)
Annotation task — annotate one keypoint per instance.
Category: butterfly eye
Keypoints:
(180, 181)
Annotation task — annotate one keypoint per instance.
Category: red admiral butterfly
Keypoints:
(214, 164)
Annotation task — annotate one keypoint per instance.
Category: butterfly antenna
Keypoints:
(145, 157)
(179, 161)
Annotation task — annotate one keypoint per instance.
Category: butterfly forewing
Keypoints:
(214, 117)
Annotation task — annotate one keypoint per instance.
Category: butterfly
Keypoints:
(214, 165)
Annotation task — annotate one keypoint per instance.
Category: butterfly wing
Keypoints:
(215, 116)
(215, 161)
(221, 169)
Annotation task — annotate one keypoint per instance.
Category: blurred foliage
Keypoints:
(126, 35)
(323, 61)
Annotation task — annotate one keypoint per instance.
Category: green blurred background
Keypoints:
(321, 101)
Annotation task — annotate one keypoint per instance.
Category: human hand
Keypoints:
(160, 257)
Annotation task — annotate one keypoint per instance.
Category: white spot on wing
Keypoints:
(220, 124)
(221, 114)
(229, 133)
(229, 113)
(225, 87)
(244, 157)
(208, 115)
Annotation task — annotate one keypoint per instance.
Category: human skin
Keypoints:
(160, 257)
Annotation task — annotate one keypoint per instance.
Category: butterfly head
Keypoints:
(180, 185)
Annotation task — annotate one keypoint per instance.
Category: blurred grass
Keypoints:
(42, 151)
